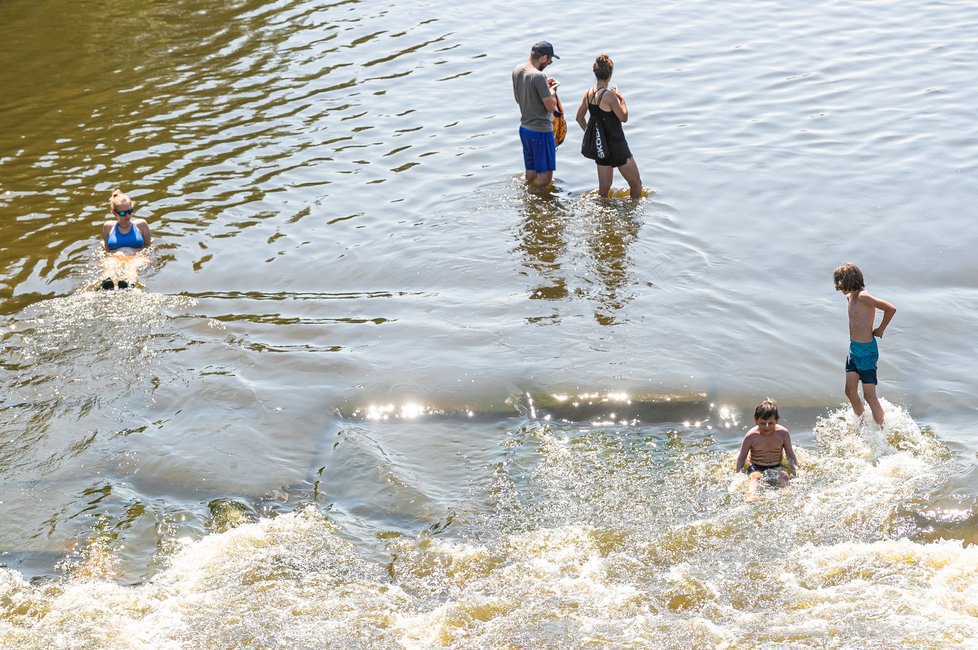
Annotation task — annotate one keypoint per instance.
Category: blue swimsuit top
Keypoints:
(131, 239)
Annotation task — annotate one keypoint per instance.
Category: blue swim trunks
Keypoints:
(862, 359)
(539, 150)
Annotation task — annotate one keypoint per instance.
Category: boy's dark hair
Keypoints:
(849, 278)
(766, 410)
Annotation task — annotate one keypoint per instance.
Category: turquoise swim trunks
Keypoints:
(862, 359)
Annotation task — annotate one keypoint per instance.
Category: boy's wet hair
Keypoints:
(849, 278)
(766, 410)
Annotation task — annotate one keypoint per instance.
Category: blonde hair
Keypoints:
(118, 198)
(603, 67)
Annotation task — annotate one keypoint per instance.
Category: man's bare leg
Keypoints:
(539, 180)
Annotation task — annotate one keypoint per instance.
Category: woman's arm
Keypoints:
(581, 112)
(617, 102)
(106, 231)
(144, 230)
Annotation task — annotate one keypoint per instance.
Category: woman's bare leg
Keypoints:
(630, 172)
(605, 176)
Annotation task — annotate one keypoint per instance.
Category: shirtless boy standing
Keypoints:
(863, 351)
(767, 444)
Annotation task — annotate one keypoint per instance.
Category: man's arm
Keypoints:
(544, 87)
(888, 311)
(549, 103)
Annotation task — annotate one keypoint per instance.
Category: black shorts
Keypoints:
(865, 376)
(753, 467)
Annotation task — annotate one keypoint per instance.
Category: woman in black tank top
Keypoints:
(611, 110)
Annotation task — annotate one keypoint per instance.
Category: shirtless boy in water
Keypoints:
(863, 351)
(767, 444)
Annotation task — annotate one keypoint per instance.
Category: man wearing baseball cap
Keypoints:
(533, 91)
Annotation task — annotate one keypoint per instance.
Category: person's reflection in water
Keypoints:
(543, 242)
(615, 228)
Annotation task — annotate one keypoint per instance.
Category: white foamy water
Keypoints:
(593, 536)
(373, 393)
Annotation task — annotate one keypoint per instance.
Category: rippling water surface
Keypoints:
(374, 393)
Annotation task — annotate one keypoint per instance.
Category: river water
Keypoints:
(374, 393)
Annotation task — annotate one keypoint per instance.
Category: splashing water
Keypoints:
(593, 537)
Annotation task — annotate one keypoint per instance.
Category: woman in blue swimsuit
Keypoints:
(125, 238)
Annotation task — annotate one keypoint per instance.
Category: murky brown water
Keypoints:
(373, 386)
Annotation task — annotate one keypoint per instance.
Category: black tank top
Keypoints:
(618, 152)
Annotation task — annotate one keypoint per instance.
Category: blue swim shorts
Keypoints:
(862, 359)
(539, 150)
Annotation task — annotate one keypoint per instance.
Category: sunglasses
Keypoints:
(125, 213)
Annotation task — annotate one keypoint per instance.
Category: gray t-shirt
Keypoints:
(529, 88)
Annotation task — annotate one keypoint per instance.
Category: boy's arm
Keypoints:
(744, 448)
(888, 311)
(789, 452)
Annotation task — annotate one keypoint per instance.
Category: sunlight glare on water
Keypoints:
(602, 536)
(372, 392)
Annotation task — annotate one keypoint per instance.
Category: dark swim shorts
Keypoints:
(770, 474)
(862, 359)
(753, 467)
